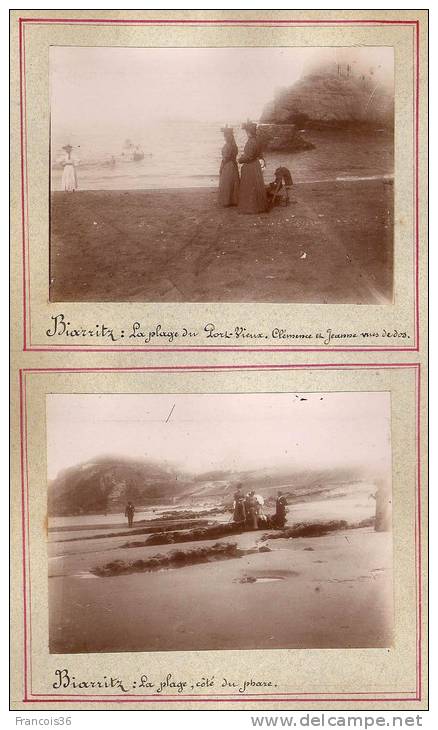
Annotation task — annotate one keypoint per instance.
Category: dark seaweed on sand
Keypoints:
(304, 529)
(316, 529)
(197, 533)
(174, 559)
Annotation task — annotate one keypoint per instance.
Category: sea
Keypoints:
(188, 155)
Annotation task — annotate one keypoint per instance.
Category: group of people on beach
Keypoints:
(248, 511)
(246, 190)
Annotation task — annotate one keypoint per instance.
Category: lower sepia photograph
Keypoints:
(219, 521)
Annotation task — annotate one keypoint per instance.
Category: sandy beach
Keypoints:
(334, 590)
(332, 244)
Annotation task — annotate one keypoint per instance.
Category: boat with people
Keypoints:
(132, 152)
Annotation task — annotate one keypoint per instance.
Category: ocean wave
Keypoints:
(353, 178)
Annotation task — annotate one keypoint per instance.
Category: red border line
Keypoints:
(215, 22)
(254, 694)
(60, 348)
(285, 697)
(20, 46)
(29, 297)
(419, 546)
(417, 211)
(239, 699)
(195, 368)
(26, 463)
(27, 344)
(23, 440)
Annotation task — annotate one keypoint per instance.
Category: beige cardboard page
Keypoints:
(219, 487)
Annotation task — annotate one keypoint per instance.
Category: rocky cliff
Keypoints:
(329, 100)
(106, 484)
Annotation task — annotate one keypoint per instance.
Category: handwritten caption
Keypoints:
(136, 333)
(168, 684)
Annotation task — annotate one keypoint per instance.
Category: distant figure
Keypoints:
(280, 509)
(239, 512)
(252, 193)
(252, 510)
(383, 508)
(129, 513)
(262, 520)
(229, 172)
(69, 176)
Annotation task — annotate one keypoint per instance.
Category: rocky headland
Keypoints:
(329, 99)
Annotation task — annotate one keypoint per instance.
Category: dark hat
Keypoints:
(67, 148)
(249, 126)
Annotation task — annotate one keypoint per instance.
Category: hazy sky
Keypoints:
(128, 88)
(206, 432)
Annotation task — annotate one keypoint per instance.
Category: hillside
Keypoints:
(107, 483)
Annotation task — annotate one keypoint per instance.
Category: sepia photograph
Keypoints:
(222, 174)
(195, 522)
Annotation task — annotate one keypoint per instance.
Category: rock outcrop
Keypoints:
(105, 484)
(329, 100)
(278, 137)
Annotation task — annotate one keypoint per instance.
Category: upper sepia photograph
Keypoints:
(222, 174)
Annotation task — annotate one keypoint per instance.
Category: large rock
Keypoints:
(277, 137)
(106, 484)
(328, 100)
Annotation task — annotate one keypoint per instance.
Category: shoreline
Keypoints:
(352, 179)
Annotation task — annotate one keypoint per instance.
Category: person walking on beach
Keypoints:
(69, 180)
(229, 172)
(280, 510)
(239, 514)
(129, 513)
(252, 192)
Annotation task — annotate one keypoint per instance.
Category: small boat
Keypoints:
(132, 152)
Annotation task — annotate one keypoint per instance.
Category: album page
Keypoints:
(219, 247)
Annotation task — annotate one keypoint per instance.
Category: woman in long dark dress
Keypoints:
(239, 515)
(229, 172)
(252, 193)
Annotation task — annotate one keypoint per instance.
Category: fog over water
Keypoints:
(123, 89)
(172, 103)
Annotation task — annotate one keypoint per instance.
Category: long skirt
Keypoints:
(239, 512)
(252, 193)
(251, 519)
(69, 179)
(229, 184)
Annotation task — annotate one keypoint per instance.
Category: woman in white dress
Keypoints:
(69, 175)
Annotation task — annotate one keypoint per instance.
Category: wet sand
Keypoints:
(329, 591)
(336, 595)
(332, 244)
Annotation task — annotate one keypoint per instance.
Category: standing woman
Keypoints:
(69, 177)
(229, 172)
(239, 515)
(252, 194)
